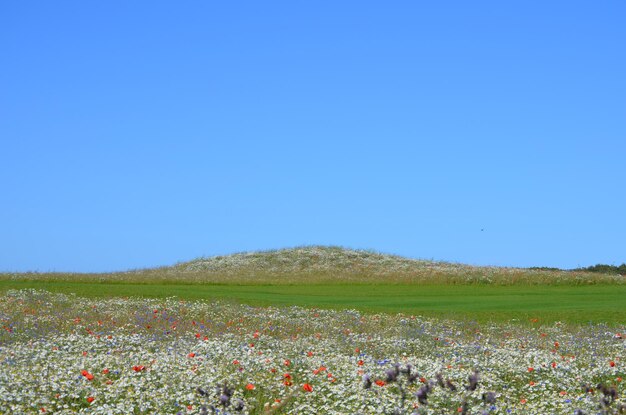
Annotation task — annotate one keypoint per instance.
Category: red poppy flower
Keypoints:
(250, 386)
(307, 388)
(90, 399)
(380, 382)
(86, 374)
(191, 355)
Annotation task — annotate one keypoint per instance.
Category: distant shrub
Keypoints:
(605, 269)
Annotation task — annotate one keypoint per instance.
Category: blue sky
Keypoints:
(136, 134)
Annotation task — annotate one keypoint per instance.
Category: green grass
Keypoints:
(335, 277)
(571, 304)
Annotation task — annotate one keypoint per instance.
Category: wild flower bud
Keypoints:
(239, 405)
(489, 397)
(228, 391)
(422, 395)
(440, 381)
(473, 382)
(224, 400)
(450, 385)
(367, 382)
(411, 378)
(391, 375)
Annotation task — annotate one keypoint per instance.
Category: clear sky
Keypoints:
(142, 133)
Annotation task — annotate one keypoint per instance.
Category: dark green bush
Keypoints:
(605, 269)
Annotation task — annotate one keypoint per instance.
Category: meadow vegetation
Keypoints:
(313, 330)
(67, 354)
(328, 265)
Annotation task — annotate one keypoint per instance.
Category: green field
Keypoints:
(572, 304)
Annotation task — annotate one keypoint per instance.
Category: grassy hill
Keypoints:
(329, 264)
(333, 277)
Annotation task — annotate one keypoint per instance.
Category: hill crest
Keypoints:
(313, 259)
(330, 264)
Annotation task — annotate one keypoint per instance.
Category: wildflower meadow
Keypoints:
(65, 354)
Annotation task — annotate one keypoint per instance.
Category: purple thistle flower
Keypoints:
(224, 400)
(422, 394)
(473, 382)
(489, 397)
(392, 375)
(367, 382)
